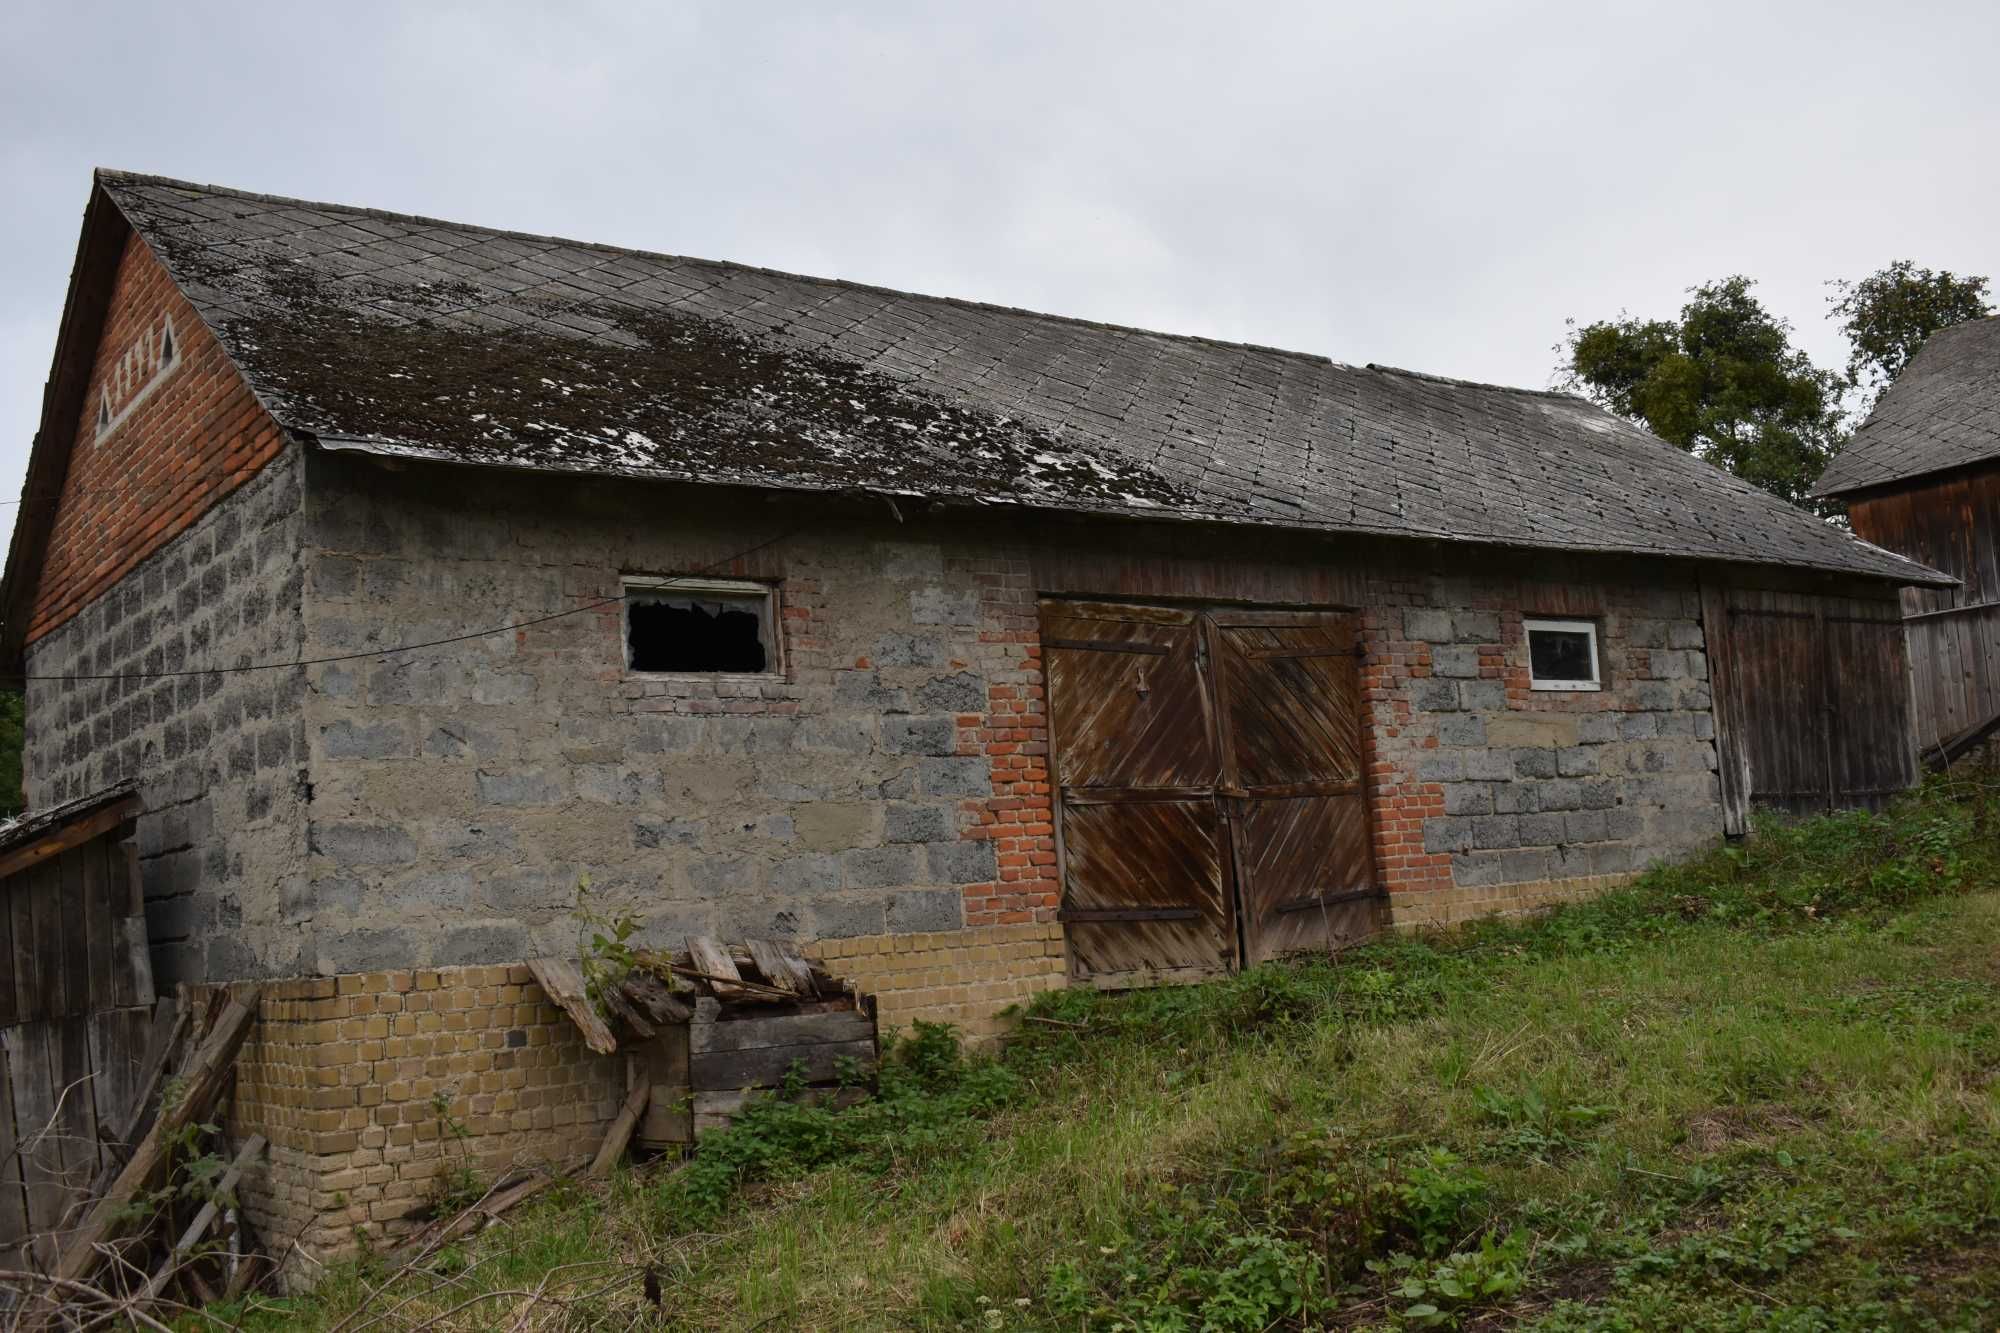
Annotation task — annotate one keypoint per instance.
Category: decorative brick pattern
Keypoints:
(195, 436)
(345, 1076)
(961, 977)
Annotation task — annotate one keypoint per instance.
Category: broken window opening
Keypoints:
(699, 627)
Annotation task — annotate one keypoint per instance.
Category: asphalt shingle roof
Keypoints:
(433, 340)
(1942, 412)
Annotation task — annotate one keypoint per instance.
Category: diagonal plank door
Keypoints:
(1145, 856)
(1289, 695)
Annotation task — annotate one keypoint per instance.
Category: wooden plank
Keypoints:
(1102, 914)
(767, 1066)
(713, 961)
(619, 1135)
(9, 1000)
(169, 1023)
(563, 983)
(57, 841)
(207, 1076)
(771, 961)
(76, 927)
(100, 918)
(204, 1218)
(662, 1064)
(655, 998)
(131, 963)
(801, 970)
(118, 1045)
(749, 1034)
(31, 1071)
(47, 882)
(13, 1195)
(27, 966)
(76, 1082)
(1731, 756)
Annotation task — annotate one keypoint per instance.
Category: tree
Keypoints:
(1723, 382)
(1888, 314)
(10, 753)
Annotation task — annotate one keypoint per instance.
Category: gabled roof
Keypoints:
(416, 338)
(1942, 412)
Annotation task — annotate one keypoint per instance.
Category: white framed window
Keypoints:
(689, 626)
(1562, 655)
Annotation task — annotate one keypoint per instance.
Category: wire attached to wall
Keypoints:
(398, 649)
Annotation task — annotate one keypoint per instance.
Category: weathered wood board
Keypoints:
(563, 983)
(75, 1007)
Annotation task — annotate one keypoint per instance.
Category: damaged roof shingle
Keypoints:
(431, 340)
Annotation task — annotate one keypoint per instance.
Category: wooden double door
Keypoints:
(1212, 805)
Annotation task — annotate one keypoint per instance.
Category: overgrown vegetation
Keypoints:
(1756, 1091)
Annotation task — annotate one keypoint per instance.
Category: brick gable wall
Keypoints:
(184, 437)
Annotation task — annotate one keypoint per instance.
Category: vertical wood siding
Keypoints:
(75, 1011)
(1952, 524)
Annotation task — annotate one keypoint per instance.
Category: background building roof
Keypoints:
(1942, 412)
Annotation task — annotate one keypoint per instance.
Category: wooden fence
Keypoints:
(76, 1008)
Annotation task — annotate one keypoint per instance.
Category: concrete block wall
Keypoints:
(220, 757)
(872, 788)
(893, 779)
(1483, 783)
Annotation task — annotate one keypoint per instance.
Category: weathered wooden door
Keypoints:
(1289, 690)
(1145, 857)
(1210, 787)
(1812, 702)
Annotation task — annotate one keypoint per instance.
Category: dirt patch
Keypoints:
(1755, 1126)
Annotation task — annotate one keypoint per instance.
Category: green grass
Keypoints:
(1757, 1091)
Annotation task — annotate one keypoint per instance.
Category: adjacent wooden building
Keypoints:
(1922, 478)
(76, 1006)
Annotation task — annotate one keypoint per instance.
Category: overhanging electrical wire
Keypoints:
(401, 648)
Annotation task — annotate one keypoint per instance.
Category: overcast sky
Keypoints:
(1429, 185)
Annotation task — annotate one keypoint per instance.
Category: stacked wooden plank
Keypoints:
(707, 1029)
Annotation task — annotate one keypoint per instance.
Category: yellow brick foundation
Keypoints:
(1454, 905)
(961, 977)
(369, 1086)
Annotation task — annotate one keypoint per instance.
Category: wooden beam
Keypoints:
(563, 983)
(1732, 759)
(620, 1133)
(204, 1219)
(771, 961)
(713, 963)
(213, 1064)
(57, 841)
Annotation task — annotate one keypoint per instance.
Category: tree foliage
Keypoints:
(1723, 382)
(1888, 314)
(10, 752)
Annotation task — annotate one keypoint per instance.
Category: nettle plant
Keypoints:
(604, 954)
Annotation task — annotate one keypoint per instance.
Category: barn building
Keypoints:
(1922, 477)
(416, 571)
